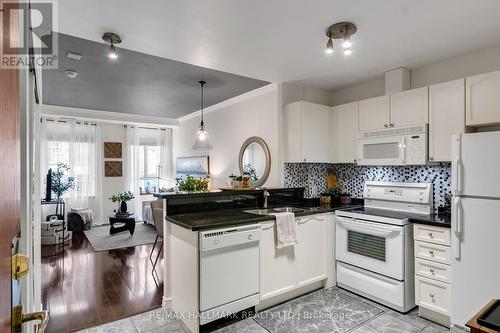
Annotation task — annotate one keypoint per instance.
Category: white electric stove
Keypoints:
(374, 244)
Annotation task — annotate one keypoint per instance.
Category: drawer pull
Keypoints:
(432, 297)
(431, 253)
(431, 236)
(432, 271)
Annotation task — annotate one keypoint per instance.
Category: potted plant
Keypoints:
(192, 184)
(345, 197)
(123, 198)
(335, 193)
(60, 184)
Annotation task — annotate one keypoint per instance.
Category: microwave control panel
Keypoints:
(416, 149)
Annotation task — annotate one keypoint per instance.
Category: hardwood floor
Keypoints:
(83, 288)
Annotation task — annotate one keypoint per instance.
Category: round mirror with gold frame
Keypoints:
(255, 160)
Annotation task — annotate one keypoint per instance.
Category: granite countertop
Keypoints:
(231, 217)
(438, 220)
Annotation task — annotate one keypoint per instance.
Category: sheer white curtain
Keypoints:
(132, 166)
(76, 144)
(147, 151)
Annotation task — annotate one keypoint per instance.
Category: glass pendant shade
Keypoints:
(202, 139)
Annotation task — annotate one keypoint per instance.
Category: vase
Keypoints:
(123, 207)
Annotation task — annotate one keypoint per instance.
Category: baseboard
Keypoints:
(435, 317)
(289, 295)
(166, 303)
(458, 329)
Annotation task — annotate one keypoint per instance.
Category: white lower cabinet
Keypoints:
(433, 272)
(311, 245)
(291, 268)
(276, 266)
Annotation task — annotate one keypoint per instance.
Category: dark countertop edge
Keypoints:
(445, 222)
(256, 219)
(219, 192)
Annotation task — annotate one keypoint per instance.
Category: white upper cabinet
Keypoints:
(483, 99)
(306, 132)
(446, 117)
(346, 139)
(409, 108)
(373, 114)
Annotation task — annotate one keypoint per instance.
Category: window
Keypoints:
(149, 167)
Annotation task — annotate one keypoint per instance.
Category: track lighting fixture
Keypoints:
(329, 46)
(112, 39)
(341, 31)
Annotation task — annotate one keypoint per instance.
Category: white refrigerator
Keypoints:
(475, 223)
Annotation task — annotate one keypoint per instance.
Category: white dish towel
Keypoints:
(286, 233)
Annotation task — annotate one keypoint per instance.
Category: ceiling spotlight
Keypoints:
(71, 74)
(347, 42)
(343, 31)
(112, 38)
(329, 46)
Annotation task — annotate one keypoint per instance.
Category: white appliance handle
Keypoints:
(368, 228)
(402, 150)
(456, 222)
(456, 165)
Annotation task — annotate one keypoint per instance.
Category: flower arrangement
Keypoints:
(192, 184)
(122, 198)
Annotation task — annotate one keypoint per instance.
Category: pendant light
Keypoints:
(112, 39)
(341, 31)
(202, 139)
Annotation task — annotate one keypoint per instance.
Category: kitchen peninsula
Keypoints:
(223, 256)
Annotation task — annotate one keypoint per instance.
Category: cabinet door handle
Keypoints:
(431, 236)
(431, 253)
(385, 125)
(302, 221)
(305, 159)
(391, 125)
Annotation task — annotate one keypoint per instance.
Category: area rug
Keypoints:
(101, 240)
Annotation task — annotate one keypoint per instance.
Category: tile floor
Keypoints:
(328, 310)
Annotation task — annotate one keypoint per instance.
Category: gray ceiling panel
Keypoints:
(135, 83)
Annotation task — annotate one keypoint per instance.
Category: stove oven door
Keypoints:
(373, 246)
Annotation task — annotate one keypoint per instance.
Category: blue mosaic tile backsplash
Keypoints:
(312, 176)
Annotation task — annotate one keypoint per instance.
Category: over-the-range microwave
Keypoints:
(395, 146)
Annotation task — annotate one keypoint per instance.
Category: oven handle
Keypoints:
(382, 231)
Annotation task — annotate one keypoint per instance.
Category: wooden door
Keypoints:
(9, 179)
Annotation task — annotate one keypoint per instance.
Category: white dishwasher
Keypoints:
(229, 271)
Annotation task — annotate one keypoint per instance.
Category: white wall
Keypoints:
(291, 92)
(477, 62)
(229, 125)
(112, 185)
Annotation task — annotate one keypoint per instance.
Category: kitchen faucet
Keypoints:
(266, 195)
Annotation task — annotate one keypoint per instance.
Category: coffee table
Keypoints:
(128, 222)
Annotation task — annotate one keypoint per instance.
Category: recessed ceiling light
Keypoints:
(74, 56)
(71, 74)
(112, 39)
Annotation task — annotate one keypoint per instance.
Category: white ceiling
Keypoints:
(283, 40)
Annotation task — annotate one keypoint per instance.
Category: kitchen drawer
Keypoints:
(427, 233)
(433, 252)
(432, 295)
(433, 270)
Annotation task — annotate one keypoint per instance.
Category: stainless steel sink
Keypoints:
(289, 209)
(260, 211)
(268, 211)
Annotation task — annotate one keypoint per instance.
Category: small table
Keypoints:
(474, 325)
(127, 220)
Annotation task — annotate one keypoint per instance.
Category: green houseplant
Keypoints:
(192, 184)
(60, 184)
(123, 198)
